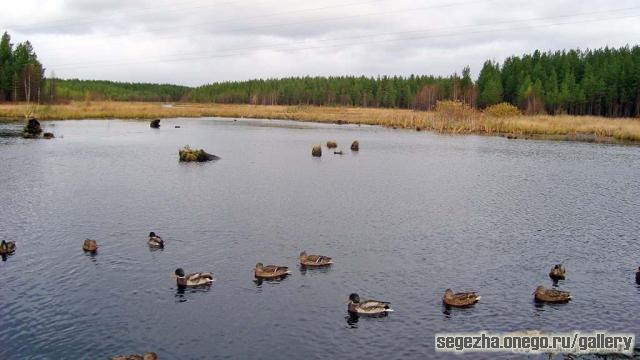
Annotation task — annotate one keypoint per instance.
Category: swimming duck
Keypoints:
(193, 279)
(155, 240)
(314, 260)
(90, 246)
(145, 356)
(638, 276)
(557, 272)
(270, 271)
(463, 299)
(7, 247)
(551, 296)
(367, 307)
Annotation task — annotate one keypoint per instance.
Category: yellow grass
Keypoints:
(468, 121)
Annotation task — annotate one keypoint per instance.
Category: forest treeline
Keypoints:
(74, 89)
(604, 82)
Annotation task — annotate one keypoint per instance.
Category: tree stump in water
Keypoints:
(32, 129)
(316, 151)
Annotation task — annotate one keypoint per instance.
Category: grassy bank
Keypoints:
(452, 120)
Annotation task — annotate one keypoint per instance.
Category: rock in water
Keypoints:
(332, 144)
(155, 123)
(48, 135)
(198, 155)
(355, 146)
(316, 150)
(32, 129)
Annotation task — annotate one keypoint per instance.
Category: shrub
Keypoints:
(502, 110)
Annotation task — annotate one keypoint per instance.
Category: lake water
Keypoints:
(408, 216)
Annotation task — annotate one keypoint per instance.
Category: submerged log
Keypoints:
(32, 129)
(155, 123)
(355, 145)
(188, 154)
(316, 151)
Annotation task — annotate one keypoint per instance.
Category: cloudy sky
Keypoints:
(193, 42)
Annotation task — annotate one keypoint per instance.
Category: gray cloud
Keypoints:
(196, 41)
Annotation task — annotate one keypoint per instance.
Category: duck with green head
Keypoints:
(155, 241)
(367, 307)
(193, 279)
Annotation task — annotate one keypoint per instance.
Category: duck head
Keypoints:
(179, 272)
(303, 254)
(448, 293)
(259, 266)
(152, 234)
(354, 298)
(539, 290)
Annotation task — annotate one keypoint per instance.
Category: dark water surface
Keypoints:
(408, 216)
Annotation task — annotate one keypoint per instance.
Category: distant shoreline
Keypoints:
(559, 127)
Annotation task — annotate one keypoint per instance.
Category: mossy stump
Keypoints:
(355, 146)
(316, 151)
(155, 124)
(187, 154)
(32, 130)
(332, 144)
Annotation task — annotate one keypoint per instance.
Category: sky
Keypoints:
(195, 42)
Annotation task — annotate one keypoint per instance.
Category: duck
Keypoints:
(193, 279)
(463, 299)
(270, 271)
(314, 260)
(90, 246)
(155, 240)
(557, 272)
(145, 356)
(551, 296)
(638, 276)
(7, 247)
(367, 307)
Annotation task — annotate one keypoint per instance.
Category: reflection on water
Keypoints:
(184, 293)
(407, 217)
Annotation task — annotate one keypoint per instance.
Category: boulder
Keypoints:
(188, 154)
(355, 145)
(316, 150)
(332, 144)
(155, 123)
(32, 129)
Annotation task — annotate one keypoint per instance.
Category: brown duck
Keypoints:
(463, 299)
(270, 271)
(7, 247)
(314, 260)
(90, 246)
(145, 356)
(557, 272)
(551, 296)
(638, 276)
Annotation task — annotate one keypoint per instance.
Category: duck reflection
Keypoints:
(183, 293)
(315, 269)
(352, 320)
